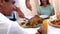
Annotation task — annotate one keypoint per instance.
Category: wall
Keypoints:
(26, 11)
(35, 4)
(56, 4)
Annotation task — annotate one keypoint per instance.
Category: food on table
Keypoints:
(56, 22)
(21, 23)
(34, 21)
(58, 16)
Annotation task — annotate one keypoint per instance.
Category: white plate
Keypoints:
(43, 16)
(29, 17)
(31, 26)
(53, 25)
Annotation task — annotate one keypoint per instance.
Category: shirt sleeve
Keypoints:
(15, 29)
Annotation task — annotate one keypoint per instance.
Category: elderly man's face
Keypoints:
(8, 6)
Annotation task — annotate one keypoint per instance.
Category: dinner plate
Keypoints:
(44, 16)
(54, 25)
(31, 26)
(24, 25)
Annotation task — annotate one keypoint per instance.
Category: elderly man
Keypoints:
(7, 26)
(7, 7)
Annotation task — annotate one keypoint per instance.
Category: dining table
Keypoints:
(50, 30)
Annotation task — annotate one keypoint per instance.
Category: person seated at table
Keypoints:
(10, 27)
(28, 5)
(45, 8)
(7, 7)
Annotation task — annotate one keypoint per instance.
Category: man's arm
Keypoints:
(20, 14)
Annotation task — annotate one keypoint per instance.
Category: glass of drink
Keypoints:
(45, 24)
(58, 16)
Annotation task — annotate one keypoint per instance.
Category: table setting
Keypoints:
(48, 26)
(51, 29)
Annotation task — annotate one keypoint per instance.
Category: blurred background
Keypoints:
(35, 3)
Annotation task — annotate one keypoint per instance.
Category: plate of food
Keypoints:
(55, 23)
(44, 16)
(34, 22)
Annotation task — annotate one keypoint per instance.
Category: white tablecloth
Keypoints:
(31, 30)
(53, 30)
(14, 28)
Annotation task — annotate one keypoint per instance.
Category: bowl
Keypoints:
(44, 16)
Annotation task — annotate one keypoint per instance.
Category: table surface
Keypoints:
(51, 30)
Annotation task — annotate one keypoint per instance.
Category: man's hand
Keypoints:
(20, 14)
(42, 30)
